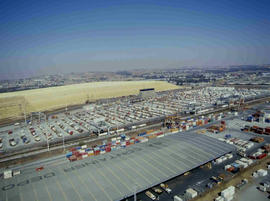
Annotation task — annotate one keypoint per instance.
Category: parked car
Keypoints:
(37, 138)
(25, 139)
(12, 142)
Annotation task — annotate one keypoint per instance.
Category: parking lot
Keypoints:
(108, 118)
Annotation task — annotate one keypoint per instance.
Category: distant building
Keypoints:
(147, 93)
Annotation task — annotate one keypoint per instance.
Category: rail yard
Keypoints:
(197, 131)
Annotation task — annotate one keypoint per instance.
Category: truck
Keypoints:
(165, 187)
(150, 195)
(157, 190)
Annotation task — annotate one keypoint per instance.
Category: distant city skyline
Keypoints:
(39, 37)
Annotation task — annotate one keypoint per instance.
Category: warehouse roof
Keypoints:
(115, 175)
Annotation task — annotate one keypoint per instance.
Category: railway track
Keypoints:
(58, 147)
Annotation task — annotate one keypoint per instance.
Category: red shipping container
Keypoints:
(73, 149)
(72, 158)
(160, 133)
(79, 158)
(230, 169)
(261, 156)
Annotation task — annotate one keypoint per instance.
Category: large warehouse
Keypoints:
(115, 175)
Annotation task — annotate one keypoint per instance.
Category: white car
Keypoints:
(12, 142)
(37, 138)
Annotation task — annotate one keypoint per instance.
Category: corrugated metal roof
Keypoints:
(115, 175)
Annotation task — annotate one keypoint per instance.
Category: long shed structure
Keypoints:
(115, 175)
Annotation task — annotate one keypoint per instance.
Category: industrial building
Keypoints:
(116, 175)
(147, 93)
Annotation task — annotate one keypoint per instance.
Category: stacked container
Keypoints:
(228, 193)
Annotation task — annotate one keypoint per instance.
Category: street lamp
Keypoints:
(63, 142)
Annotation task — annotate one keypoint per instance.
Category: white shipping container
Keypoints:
(16, 172)
(191, 193)
(84, 156)
(262, 172)
(144, 140)
(7, 174)
(229, 198)
(102, 152)
(219, 198)
(176, 198)
(218, 160)
(229, 156)
(84, 146)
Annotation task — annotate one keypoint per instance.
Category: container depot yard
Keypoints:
(110, 117)
(193, 149)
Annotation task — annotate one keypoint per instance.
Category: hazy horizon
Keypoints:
(65, 36)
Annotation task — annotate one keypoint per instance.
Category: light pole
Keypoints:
(48, 145)
(135, 189)
(63, 142)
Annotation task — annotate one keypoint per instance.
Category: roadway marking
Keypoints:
(78, 176)
(72, 184)
(35, 192)
(20, 195)
(117, 189)
(6, 196)
(99, 186)
(46, 187)
(60, 187)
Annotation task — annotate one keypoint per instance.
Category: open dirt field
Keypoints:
(13, 104)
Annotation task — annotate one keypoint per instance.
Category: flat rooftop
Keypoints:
(115, 175)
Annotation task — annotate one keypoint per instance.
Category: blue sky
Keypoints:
(62, 36)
